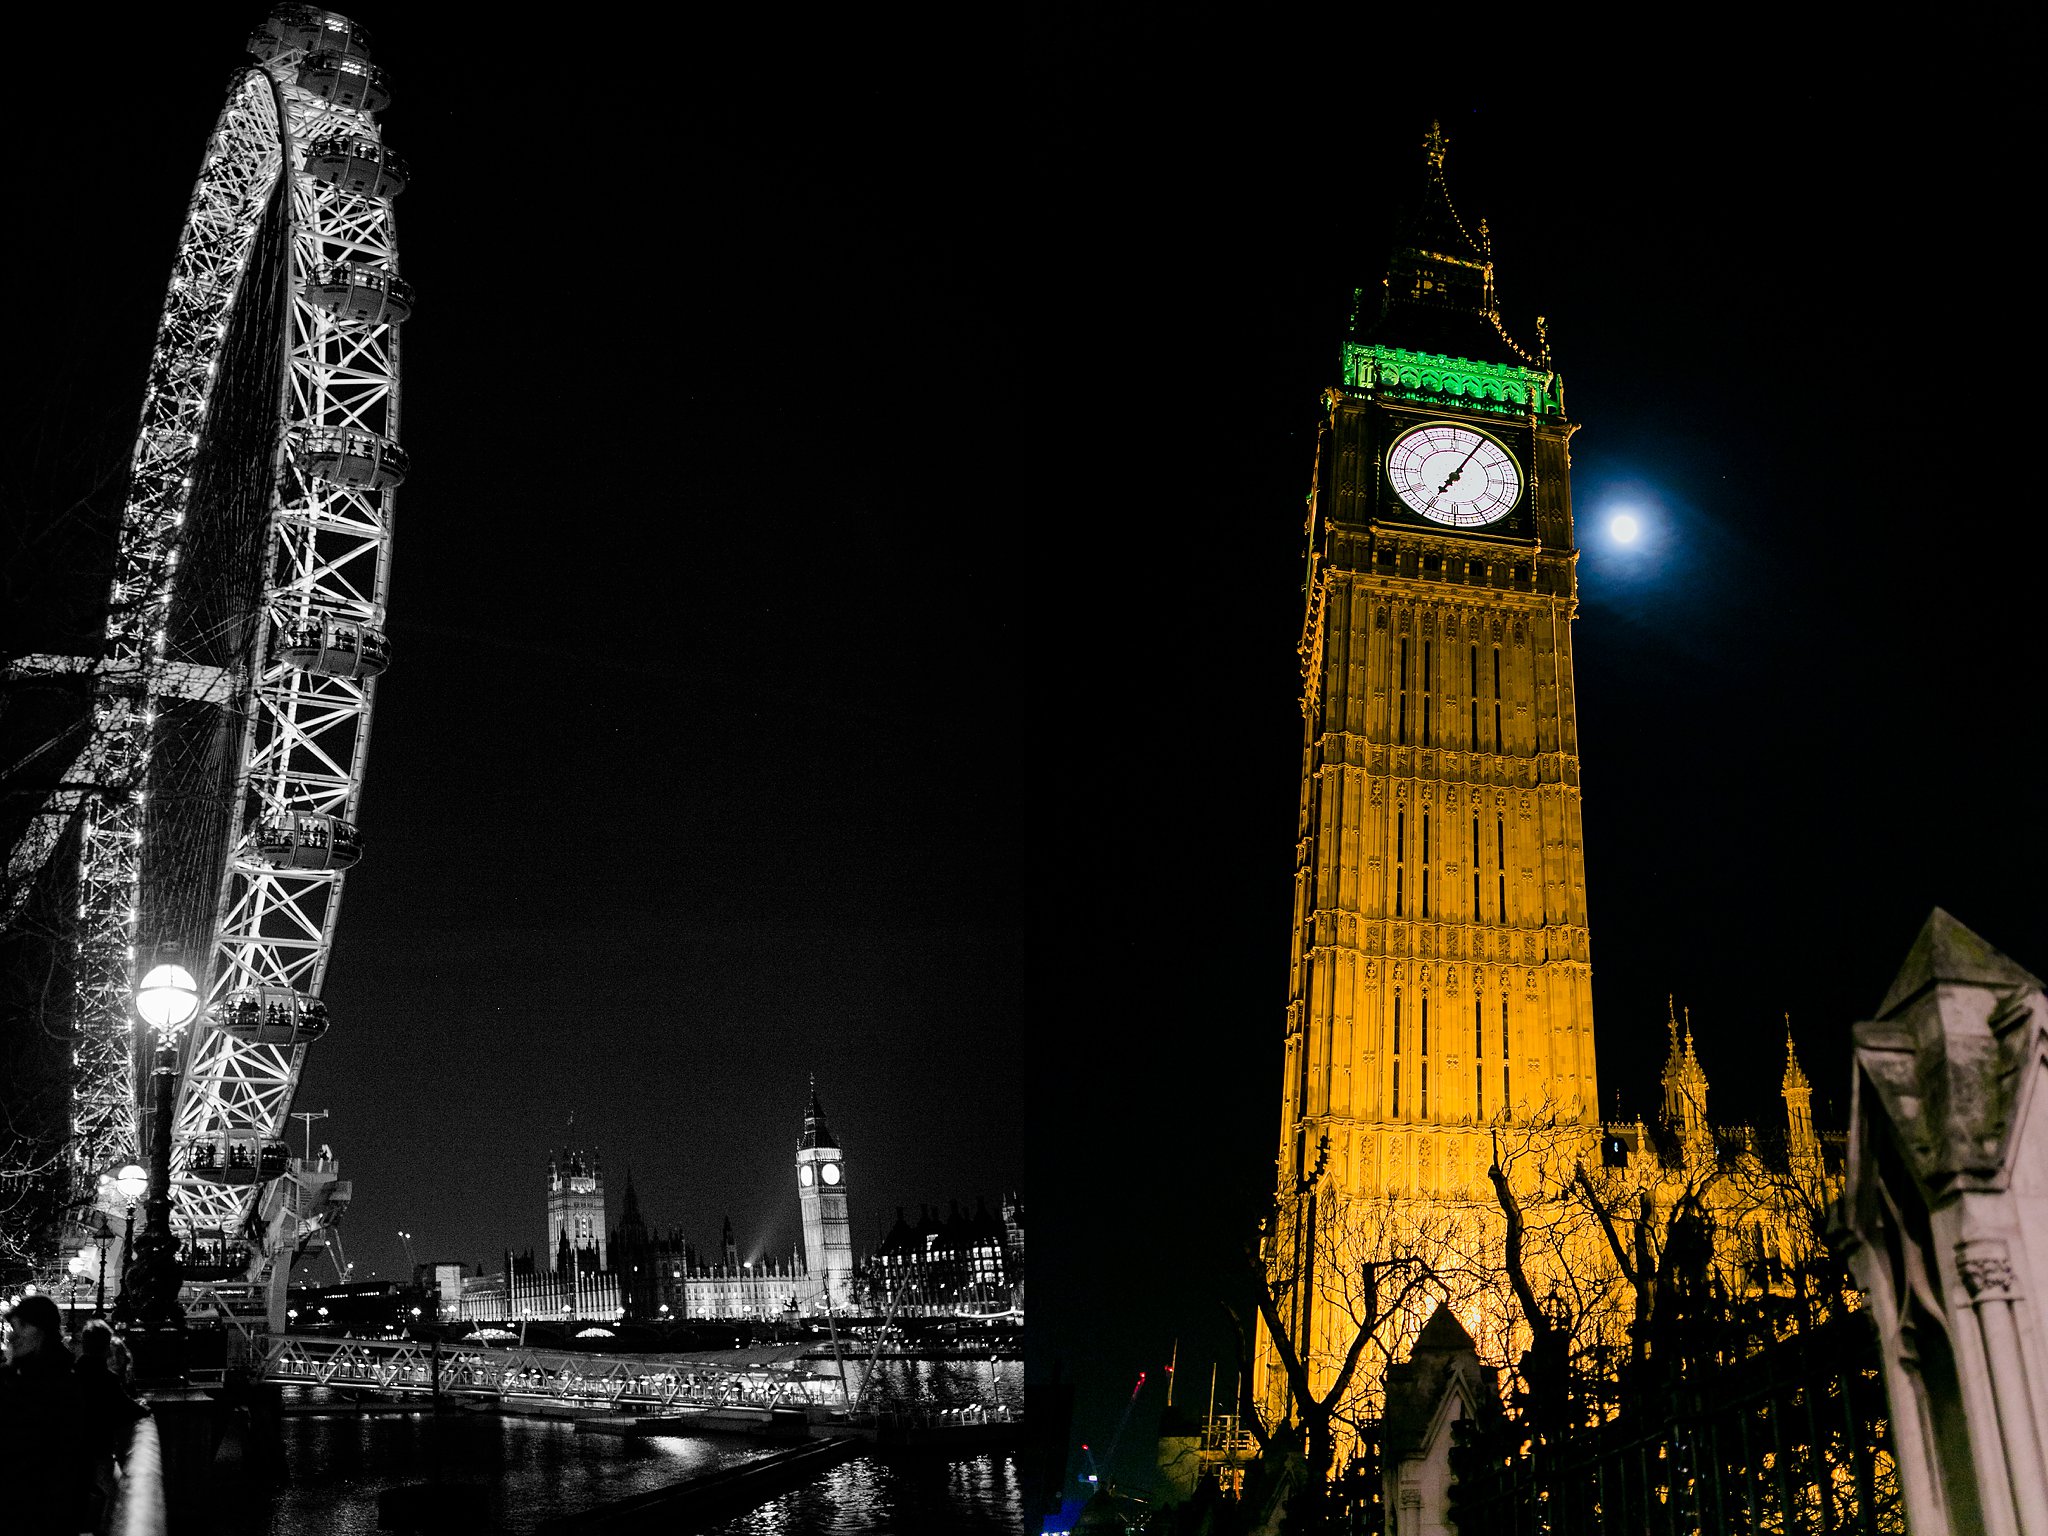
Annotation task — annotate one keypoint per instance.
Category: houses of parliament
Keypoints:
(1439, 1014)
(588, 1272)
(963, 1263)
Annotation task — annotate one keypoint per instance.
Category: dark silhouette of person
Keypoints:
(110, 1413)
(43, 1425)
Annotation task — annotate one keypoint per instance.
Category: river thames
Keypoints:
(526, 1471)
(517, 1473)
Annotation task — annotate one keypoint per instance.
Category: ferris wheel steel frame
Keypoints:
(301, 701)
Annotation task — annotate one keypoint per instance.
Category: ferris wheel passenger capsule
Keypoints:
(307, 29)
(356, 163)
(239, 1157)
(308, 840)
(366, 294)
(346, 457)
(345, 81)
(335, 647)
(279, 1016)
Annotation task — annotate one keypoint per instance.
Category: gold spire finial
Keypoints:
(1795, 1079)
(1433, 146)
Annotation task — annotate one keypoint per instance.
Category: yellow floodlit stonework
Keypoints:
(1440, 1012)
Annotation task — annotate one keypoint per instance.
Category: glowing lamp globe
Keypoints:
(77, 1264)
(132, 1182)
(167, 997)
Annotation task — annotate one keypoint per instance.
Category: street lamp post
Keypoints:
(101, 1235)
(167, 999)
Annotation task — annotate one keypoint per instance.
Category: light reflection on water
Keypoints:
(972, 1496)
(525, 1471)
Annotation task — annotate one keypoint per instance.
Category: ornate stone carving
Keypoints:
(1403, 374)
(1985, 1266)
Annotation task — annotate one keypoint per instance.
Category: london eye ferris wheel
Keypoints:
(213, 804)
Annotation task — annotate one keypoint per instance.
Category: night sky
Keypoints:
(846, 595)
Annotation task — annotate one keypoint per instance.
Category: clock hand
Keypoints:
(1452, 478)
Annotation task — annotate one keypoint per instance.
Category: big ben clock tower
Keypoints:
(1439, 977)
(821, 1200)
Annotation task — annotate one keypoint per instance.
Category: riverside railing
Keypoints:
(139, 1506)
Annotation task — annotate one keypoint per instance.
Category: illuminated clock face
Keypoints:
(1454, 475)
(829, 1172)
(803, 1175)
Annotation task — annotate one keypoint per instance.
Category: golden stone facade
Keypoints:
(1440, 972)
(1440, 1012)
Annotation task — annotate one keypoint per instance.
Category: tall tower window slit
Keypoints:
(1424, 1102)
(1428, 672)
(1401, 685)
(1506, 1096)
(1498, 744)
(1475, 869)
(1479, 1054)
(1425, 866)
(1397, 1057)
(1400, 869)
(1500, 845)
(1475, 698)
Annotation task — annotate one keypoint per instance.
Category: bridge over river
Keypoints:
(766, 1377)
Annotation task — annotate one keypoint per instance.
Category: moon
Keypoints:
(1624, 528)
